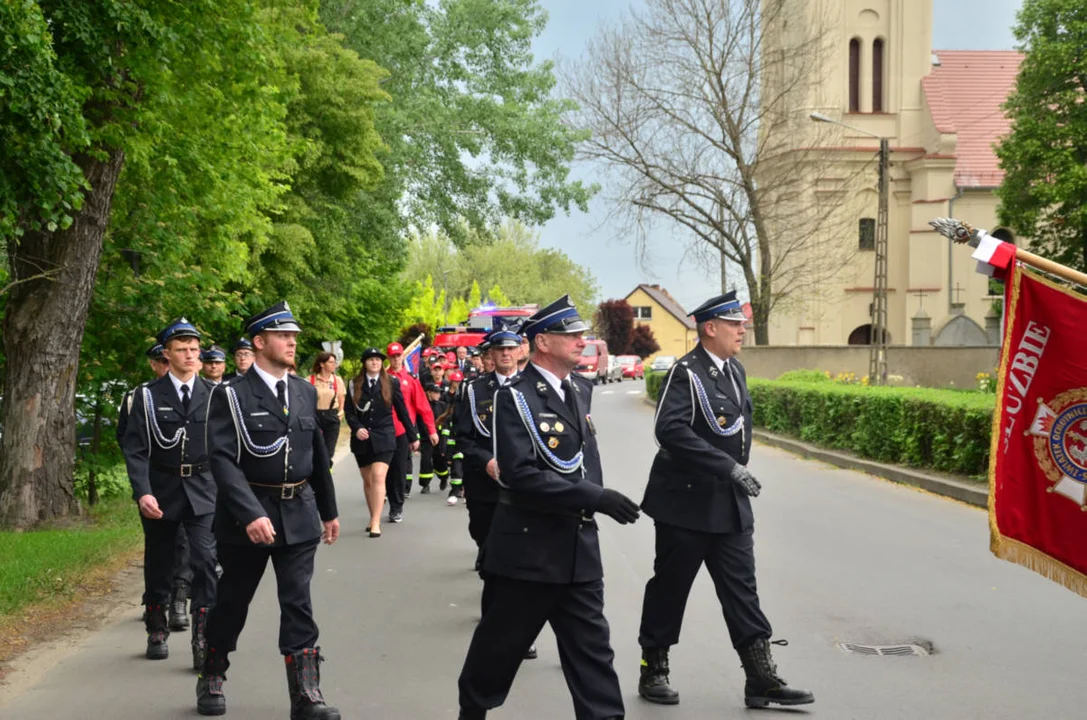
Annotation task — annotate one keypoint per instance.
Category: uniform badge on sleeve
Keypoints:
(592, 427)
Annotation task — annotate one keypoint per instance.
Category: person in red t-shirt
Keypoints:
(396, 482)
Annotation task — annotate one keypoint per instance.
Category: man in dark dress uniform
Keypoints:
(167, 464)
(542, 557)
(699, 497)
(472, 422)
(214, 360)
(277, 502)
(242, 350)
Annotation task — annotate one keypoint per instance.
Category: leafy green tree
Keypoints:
(475, 295)
(474, 131)
(1044, 193)
(425, 307)
(458, 311)
(101, 87)
(511, 258)
(496, 297)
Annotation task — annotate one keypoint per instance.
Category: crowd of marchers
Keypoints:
(233, 470)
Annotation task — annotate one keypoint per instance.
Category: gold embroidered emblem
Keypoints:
(553, 443)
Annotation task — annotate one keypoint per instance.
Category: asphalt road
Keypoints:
(843, 557)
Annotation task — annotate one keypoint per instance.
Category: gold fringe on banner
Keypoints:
(1005, 548)
(1036, 560)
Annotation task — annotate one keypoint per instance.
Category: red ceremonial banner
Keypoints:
(1038, 462)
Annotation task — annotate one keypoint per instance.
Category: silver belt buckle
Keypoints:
(286, 492)
(186, 470)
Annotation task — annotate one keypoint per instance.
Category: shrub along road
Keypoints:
(842, 557)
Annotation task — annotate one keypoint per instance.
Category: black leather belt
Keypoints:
(186, 470)
(505, 497)
(287, 491)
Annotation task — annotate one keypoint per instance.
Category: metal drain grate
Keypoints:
(885, 650)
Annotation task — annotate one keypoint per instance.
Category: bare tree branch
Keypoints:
(697, 110)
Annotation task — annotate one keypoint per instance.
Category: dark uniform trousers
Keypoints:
(396, 477)
(542, 560)
(701, 517)
(244, 495)
(516, 613)
(244, 566)
(186, 500)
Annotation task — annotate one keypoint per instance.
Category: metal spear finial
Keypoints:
(958, 231)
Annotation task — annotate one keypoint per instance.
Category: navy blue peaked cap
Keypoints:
(277, 318)
(241, 343)
(725, 307)
(178, 328)
(559, 317)
(155, 351)
(213, 354)
(501, 337)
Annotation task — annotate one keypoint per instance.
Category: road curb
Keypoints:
(971, 493)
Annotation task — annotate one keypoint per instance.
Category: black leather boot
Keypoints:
(157, 633)
(199, 641)
(763, 684)
(210, 699)
(653, 683)
(304, 684)
(179, 620)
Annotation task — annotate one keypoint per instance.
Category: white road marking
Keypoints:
(634, 392)
(606, 392)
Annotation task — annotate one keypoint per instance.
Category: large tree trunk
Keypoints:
(42, 333)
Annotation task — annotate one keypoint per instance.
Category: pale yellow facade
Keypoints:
(675, 337)
(926, 275)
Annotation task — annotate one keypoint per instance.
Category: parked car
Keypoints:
(615, 370)
(632, 367)
(594, 361)
(663, 363)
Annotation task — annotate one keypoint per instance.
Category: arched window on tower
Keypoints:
(854, 75)
(877, 75)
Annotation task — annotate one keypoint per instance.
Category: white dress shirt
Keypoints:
(270, 380)
(177, 385)
(553, 380)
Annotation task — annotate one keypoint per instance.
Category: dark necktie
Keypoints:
(373, 382)
(570, 400)
(281, 393)
(185, 398)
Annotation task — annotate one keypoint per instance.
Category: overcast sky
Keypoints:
(585, 237)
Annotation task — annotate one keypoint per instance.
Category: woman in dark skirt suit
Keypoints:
(374, 396)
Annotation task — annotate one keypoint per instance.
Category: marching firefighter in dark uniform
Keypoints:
(276, 502)
(472, 423)
(167, 465)
(542, 557)
(214, 359)
(699, 495)
(242, 350)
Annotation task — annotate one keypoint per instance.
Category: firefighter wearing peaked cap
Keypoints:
(166, 457)
(276, 502)
(242, 352)
(699, 495)
(541, 561)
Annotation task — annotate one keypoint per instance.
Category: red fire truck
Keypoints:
(480, 322)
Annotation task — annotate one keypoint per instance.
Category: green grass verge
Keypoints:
(51, 563)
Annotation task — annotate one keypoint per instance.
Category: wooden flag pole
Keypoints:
(963, 233)
(1054, 268)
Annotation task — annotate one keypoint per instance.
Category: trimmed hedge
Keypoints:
(944, 430)
(653, 382)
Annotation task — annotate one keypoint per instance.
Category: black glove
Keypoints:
(747, 482)
(617, 506)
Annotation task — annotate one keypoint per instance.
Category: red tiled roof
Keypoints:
(965, 93)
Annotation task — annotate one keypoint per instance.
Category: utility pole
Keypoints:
(877, 358)
(877, 338)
